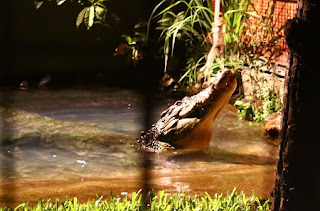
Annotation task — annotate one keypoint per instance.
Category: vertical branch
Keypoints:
(206, 69)
(215, 28)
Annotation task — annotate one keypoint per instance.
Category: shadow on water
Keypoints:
(147, 88)
(8, 166)
(8, 171)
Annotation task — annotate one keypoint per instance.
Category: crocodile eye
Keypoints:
(179, 102)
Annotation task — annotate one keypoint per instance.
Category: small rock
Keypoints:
(44, 81)
(167, 80)
(24, 85)
(273, 124)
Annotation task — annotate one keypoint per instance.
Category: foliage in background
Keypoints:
(161, 201)
(235, 14)
(94, 11)
(133, 45)
(185, 27)
(261, 39)
(191, 22)
(260, 50)
(188, 22)
(262, 101)
(248, 40)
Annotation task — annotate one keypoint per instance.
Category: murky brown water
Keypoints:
(76, 142)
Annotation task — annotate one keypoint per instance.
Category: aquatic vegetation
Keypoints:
(162, 201)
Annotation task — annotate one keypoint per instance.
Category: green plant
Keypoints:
(162, 201)
(191, 22)
(134, 44)
(235, 14)
(245, 110)
(271, 103)
(190, 76)
(265, 101)
(94, 13)
(259, 51)
(186, 21)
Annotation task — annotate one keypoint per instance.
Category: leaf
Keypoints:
(166, 52)
(60, 2)
(91, 17)
(81, 16)
(21, 206)
(100, 13)
(152, 16)
(127, 38)
(86, 17)
(37, 4)
(99, 4)
(99, 9)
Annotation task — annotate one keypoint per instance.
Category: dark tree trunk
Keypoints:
(297, 184)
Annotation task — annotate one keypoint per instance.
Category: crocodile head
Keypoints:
(188, 122)
(225, 80)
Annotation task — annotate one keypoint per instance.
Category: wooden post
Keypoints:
(297, 184)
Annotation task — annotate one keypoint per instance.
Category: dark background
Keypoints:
(37, 42)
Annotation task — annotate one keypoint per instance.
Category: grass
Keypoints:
(162, 201)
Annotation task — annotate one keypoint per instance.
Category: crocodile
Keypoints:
(188, 122)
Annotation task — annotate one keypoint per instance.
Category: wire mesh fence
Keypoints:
(282, 11)
(278, 11)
